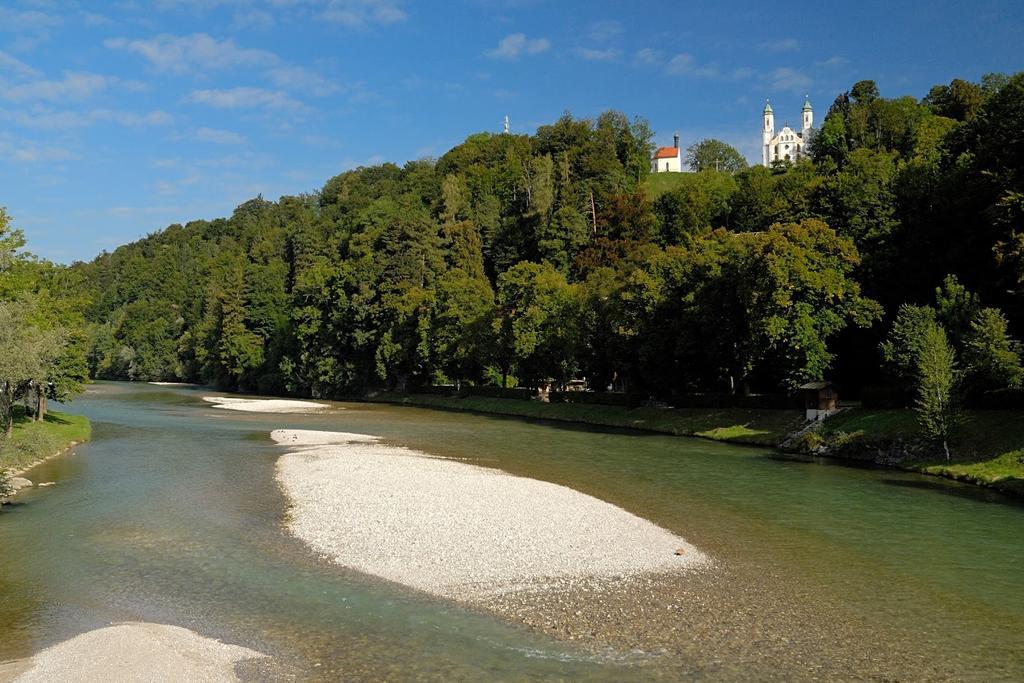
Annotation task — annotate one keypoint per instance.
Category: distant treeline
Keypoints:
(514, 259)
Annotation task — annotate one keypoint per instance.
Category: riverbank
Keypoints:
(759, 427)
(34, 442)
(987, 450)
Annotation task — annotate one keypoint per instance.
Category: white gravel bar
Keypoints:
(457, 530)
(137, 652)
(265, 405)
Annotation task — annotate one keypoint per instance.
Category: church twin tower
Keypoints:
(787, 144)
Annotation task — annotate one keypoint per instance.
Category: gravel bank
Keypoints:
(137, 652)
(265, 405)
(457, 530)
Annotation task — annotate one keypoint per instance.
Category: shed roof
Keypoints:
(817, 385)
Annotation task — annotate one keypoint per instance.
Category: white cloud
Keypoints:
(29, 28)
(683, 64)
(603, 31)
(218, 136)
(593, 55)
(785, 78)
(782, 45)
(300, 78)
(13, 65)
(30, 152)
(356, 13)
(351, 13)
(252, 19)
(92, 19)
(17, 21)
(196, 52)
(44, 119)
(832, 61)
(243, 97)
(76, 85)
(513, 46)
(648, 56)
(131, 119)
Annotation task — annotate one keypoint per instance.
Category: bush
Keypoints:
(498, 392)
(435, 390)
(842, 439)
(810, 442)
(605, 398)
(749, 401)
(6, 490)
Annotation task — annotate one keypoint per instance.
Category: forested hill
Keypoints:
(520, 258)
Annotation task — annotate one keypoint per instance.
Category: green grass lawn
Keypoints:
(658, 184)
(34, 440)
(988, 447)
(762, 427)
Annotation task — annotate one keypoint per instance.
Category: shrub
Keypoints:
(810, 442)
(6, 490)
(843, 439)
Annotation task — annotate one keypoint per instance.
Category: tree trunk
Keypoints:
(40, 405)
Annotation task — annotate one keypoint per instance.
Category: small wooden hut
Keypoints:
(821, 399)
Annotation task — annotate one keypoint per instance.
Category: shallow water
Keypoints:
(171, 515)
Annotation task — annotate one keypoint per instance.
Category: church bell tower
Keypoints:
(767, 133)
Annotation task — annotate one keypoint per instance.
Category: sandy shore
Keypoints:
(461, 531)
(265, 405)
(136, 652)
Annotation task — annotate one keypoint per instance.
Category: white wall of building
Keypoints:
(670, 165)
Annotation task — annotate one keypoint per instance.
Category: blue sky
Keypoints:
(119, 118)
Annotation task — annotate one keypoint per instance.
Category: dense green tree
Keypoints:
(535, 323)
(698, 204)
(936, 404)
(461, 334)
(901, 349)
(991, 356)
(714, 155)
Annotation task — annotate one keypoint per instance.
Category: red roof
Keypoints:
(666, 153)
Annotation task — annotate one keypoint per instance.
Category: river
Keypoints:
(171, 515)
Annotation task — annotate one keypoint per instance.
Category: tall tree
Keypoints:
(714, 155)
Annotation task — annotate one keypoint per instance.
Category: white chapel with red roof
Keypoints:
(668, 159)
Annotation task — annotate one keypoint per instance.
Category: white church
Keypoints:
(668, 159)
(787, 144)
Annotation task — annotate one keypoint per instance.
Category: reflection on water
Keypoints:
(172, 515)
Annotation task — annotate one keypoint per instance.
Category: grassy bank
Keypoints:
(761, 427)
(988, 448)
(657, 184)
(32, 441)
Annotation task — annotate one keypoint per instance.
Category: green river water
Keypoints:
(171, 515)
